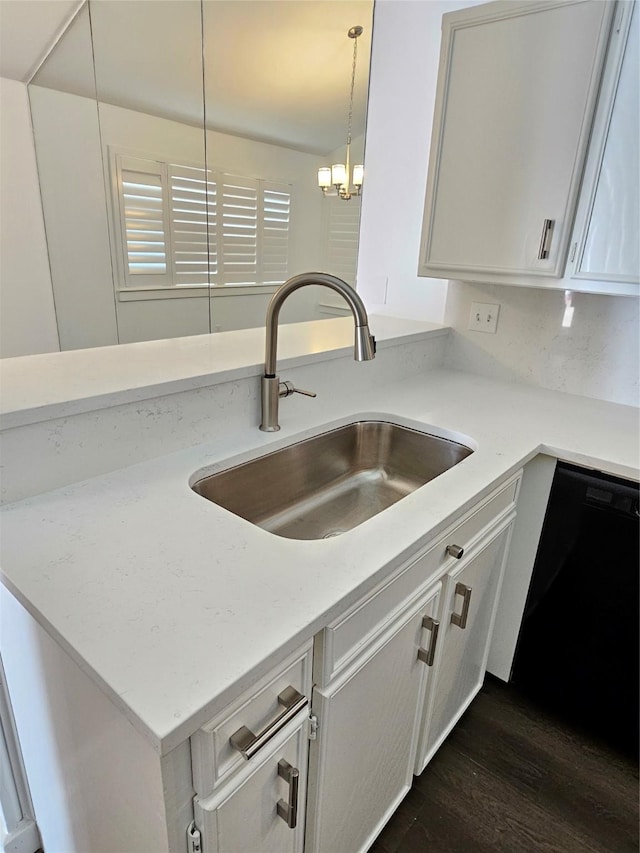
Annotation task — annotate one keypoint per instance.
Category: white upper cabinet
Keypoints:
(605, 245)
(517, 89)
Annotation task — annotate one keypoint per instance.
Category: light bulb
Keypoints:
(338, 175)
(324, 176)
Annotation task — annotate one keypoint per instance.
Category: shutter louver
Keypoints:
(342, 238)
(276, 212)
(143, 205)
(239, 231)
(193, 217)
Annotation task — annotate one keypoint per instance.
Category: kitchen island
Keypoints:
(174, 607)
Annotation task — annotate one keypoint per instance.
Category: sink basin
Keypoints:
(323, 486)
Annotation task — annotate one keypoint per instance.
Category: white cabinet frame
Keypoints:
(528, 271)
(575, 277)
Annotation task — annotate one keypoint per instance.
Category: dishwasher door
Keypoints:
(577, 652)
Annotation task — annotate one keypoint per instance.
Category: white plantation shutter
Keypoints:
(253, 230)
(276, 209)
(213, 229)
(184, 226)
(143, 220)
(193, 216)
(238, 237)
(343, 225)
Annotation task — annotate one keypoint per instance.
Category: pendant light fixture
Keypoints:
(339, 175)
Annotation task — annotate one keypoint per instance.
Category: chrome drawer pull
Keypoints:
(427, 655)
(460, 619)
(289, 811)
(455, 551)
(247, 743)
(545, 240)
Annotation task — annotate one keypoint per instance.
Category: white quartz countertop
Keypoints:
(49, 385)
(174, 606)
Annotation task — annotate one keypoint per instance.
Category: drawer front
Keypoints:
(244, 816)
(480, 519)
(213, 756)
(345, 638)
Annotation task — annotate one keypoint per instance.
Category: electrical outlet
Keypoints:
(484, 317)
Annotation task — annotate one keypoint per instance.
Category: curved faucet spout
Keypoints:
(363, 351)
(364, 346)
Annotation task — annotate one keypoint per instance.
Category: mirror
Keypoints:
(178, 145)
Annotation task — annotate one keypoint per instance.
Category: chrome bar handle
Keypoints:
(289, 811)
(247, 743)
(460, 619)
(545, 240)
(427, 655)
(287, 388)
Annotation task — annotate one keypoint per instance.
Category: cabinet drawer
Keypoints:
(480, 518)
(243, 816)
(213, 756)
(345, 638)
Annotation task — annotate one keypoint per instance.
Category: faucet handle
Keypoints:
(286, 389)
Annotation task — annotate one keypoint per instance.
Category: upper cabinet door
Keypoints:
(517, 86)
(605, 246)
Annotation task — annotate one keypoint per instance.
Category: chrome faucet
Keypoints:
(272, 387)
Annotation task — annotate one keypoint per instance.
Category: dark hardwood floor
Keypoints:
(512, 778)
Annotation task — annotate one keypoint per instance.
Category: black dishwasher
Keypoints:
(577, 651)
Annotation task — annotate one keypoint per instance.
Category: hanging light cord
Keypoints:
(345, 192)
(353, 80)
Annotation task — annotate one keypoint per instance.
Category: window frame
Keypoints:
(163, 287)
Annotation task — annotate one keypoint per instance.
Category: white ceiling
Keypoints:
(285, 66)
(275, 70)
(28, 28)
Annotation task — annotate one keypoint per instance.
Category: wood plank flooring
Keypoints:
(512, 778)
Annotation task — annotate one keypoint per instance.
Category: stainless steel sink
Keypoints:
(323, 486)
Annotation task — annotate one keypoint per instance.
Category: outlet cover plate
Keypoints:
(483, 317)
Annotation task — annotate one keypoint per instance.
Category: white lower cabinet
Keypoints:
(249, 767)
(260, 809)
(468, 610)
(388, 680)
(362, 761)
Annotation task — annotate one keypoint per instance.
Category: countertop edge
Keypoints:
(142, 389)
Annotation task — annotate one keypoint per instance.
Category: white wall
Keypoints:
(27, 316)
(404, 71)
(70, 167)
(597, 356)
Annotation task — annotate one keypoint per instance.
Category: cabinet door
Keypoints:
(243, 817)
(517, 86)
(362, 762)
(467, 616)
(605, 243)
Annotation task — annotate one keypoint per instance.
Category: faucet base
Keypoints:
(270, 395)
